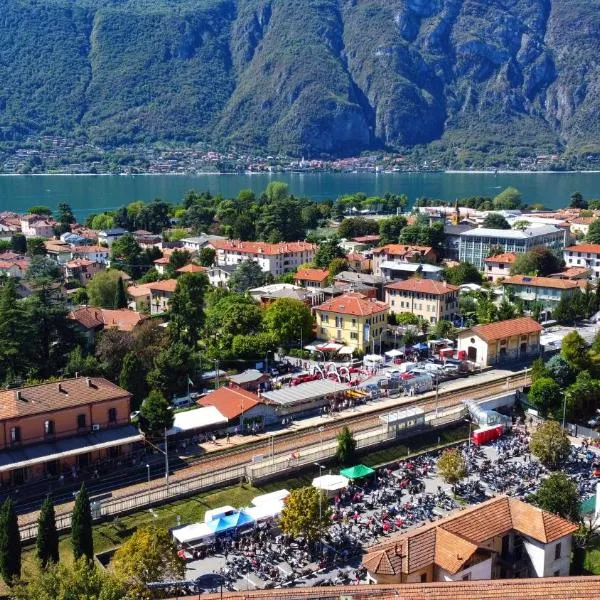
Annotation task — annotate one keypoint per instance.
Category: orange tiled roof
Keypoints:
(503, 329)
(353, 303)
(192, 268)
(452, 551)
(591, 248)
(506, 257)
(584, 220)
(167, 285)
(80, 262)
(312, 275)
(47, 397)
(423, 286)
(570, 272)
(163, 260)
(97, 249)
(136, 291)
(91, 317)
(402, 249)
(366, 239)
(262, 247)
(230, 402)
(548, 588)
(547, 282)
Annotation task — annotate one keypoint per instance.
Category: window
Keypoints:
(48, 427)
(353, 335)
(112, 415)
(80, 421)
(423, 577)
(466, 577)
(557, 551)
(556, 573)
(15, 435)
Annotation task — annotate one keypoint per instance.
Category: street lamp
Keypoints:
(148, 467)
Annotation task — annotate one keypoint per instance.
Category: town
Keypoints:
(266, 396)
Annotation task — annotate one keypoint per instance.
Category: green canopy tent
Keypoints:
(357, 472)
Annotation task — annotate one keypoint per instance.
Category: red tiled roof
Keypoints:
(506, 257)
(163, 260)
(572, 272)
(312, 275)
(591, 248)
(192, 268)
(547, 282)
(80, 262)
(584, 220)
(96, 249)
(366, 239)
(355, 256)
(424, 286)
(504, 329)
(262, 247)
(353, 304)
(402, 249)
(46, 397)
(548, 588)
(136, 291)
(91, 318)
(167, 285)
(230, 402)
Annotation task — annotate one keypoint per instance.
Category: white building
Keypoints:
(584, 255)
(37, 226)
(109, 236)
(99, 254)
(276, 259)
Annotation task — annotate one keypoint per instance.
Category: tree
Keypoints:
(82, 540)
(42, 269)
(186, 308)
(577, 201)
(546, 394)
(120, 295)
(288, 320)
(445, 329)
(337, 266)
(506, 310)
(40, 209)
(463, 273)
(276, 191)
(125, 255)
(390, 229)
(247, 275)
(575, 351)
(173, 368)
(64, 215)
(558, 494)
(495, 221)
(148, 555)
(593, 234)
(559, 369)
(133, 379)
(356, 227)
(345, 453)
(538, 370)
(82, 364)
(508, 199)
(156, 414)
(47, 536)
(540, 261)
(14, 331)
(583, 396)
(207, 257)
(306, 513)
(104, 221)
(327, 251)
(10, 543)
(550, 443)
(35, 246)
(102, 288)
(111, 348)
(18, 243)
(178, 259)
(153, 217)
(451, 466)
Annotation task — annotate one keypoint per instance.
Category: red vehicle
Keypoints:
(487, 434)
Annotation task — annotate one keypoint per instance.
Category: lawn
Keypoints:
(591, 561)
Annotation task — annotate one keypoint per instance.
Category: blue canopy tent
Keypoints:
(420, 347)
(228, 522)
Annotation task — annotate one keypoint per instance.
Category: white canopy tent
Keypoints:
(331, 483)
(205, 417)
(192, 533)
(345, 350)
(266, 510)
(394, 353)
(279, 495)
(215, 513)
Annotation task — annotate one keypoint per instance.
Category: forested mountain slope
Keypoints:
(308, 77)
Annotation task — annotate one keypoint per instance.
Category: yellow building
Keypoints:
(352, 319)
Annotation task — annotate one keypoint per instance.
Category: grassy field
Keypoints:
(591, 561)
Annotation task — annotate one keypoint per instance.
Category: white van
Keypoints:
(182, 402)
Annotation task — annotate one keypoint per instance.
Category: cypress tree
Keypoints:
(10, 543)
(120, 296)
(47, 536)
(81, 526)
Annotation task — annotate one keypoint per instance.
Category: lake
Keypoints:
(91, 193)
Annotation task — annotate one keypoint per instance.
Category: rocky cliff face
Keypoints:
(308, 77)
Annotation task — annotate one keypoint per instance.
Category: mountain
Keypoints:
(306, 77)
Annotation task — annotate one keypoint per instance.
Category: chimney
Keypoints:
(18, 395)
(59, 387)
(88, 381)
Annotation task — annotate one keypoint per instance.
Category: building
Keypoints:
(274, 291)
(161, 264)
(37, 226)
(476, 245)
(243, 410)
(139, 297)
(54, 428)
(99, 254)
(451, 248)
(431, 300)
(14, 267)
(548, 291)
(312, 278)
(573, 273)
(352, 319)
(497, 342)
(219, 276)
(584, 255)
(81, 269)
(361, 280)
(59, 251)
(392, 270)
(249, 380)
(276, 259)
(192, 268)
(91, 320)
(109, 236)
(580, 226)
(195, 244)
(497, 539)
(401, 253)
(498, 267)
(160, 295)
(359, 262)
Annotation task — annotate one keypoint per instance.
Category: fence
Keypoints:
(581, 431)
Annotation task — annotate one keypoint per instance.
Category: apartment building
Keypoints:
(98, 254)
(584, 255)
(312, 278)
(548, 291)
(82, 269)
(276, 259)
(475, 245)
(497, 539)
(160, 295)
(352, 319)
(37, 226)
(498, 267)
(431, 300)
(54, 428)
(400, 253)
